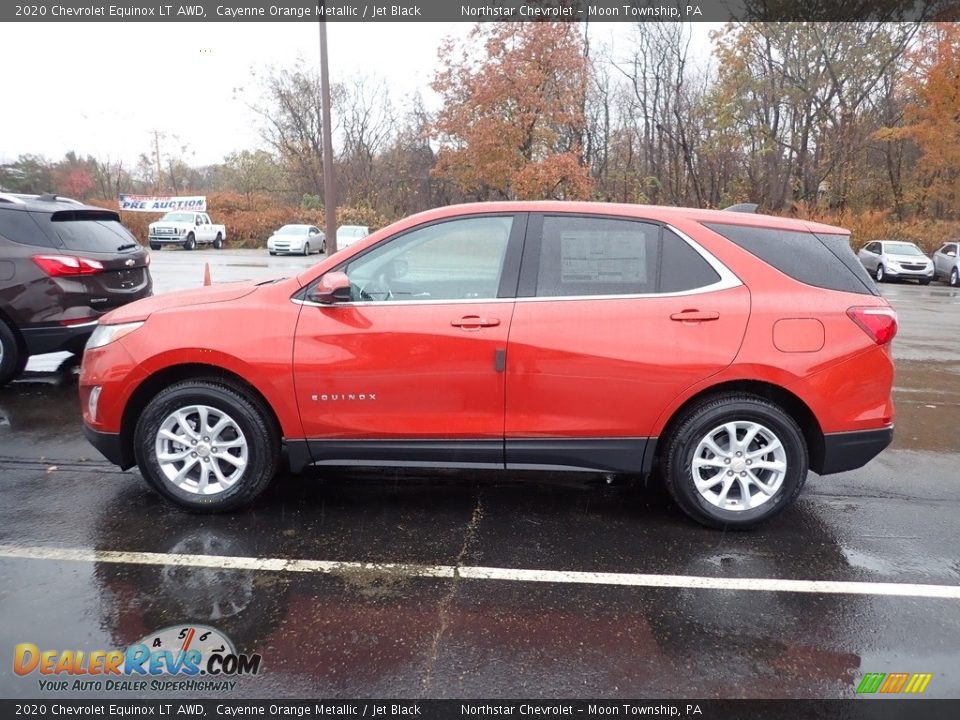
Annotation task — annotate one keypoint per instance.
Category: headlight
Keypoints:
(106, 334)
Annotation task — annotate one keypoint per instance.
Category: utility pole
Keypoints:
(329, 184)
(156, 153)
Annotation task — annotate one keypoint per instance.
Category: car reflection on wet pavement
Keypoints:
(381, 631)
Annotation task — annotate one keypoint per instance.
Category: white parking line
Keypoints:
(832, 587)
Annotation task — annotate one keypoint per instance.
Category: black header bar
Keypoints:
(479, 10)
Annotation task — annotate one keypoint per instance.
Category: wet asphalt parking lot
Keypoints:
(90, 559)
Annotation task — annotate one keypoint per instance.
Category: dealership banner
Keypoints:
(162, 203)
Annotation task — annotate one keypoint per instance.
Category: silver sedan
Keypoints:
(889, 259)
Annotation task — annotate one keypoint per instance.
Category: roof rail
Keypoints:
(51, 197)
(742, 208)
(10, 198)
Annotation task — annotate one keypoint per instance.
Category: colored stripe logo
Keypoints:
(894, 683)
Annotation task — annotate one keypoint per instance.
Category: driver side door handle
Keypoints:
(474, 322)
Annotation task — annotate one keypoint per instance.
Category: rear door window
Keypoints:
(821, 260)
(90, 231)
(595, 256)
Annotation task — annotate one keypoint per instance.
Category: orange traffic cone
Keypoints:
(206, 274)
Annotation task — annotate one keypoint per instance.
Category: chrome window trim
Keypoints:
(727, 281)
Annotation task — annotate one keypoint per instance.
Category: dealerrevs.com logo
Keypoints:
(178, 658)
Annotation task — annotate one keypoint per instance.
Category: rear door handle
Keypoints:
(473, 322)
(695, 316)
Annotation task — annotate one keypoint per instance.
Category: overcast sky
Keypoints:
(103, 88)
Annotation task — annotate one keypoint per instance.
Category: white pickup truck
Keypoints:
(188, 229)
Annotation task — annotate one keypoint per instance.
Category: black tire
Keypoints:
(12, 359)
(306, 249)
(688, 431)
(323, 247)
(954, 278)
(249, 414)
(880, 274)
(271, 252)
(190, 243)
(925, 281)
(154, 246)
(218, 242)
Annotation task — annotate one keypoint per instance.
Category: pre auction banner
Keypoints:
(159, 204)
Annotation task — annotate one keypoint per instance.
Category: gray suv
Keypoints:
(63, 264)
(889, 259)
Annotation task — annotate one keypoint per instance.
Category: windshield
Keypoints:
(897, 248)
(351, 231)
(292, 230)
(177, 217)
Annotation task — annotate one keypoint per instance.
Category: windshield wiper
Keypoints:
(126, 247)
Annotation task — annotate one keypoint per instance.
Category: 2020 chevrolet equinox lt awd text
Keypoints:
(733, 351)
(63, 265)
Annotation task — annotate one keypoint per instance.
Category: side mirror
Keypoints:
(333, 287)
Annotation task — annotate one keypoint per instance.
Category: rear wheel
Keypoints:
(207, 446)
(12, 359)
(190, 243)
(218, 242)
(734, 461)
(954, 278)
(880, 274)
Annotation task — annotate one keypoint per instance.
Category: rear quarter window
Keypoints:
(821, 260)
(19, 227)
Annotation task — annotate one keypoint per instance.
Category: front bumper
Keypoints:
(57, 338)
(900, 272)
(110, 446)
(851, 450)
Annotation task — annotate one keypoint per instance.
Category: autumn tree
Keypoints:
(932, 118)
(512, 122)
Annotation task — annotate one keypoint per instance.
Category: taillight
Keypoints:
(67, 265)
(880, 323)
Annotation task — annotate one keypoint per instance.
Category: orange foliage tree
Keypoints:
(932, 119)
(513, 112)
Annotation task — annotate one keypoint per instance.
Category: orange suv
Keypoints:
(733, 351)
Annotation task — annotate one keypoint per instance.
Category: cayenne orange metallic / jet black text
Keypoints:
(732, 351)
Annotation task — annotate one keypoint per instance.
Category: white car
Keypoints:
(347, 235)
(188, 229)
(888, 259)
(946, 263)
(300, 239)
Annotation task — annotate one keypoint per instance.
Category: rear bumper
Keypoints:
(110, 447)
(57, 338)
(851, 450)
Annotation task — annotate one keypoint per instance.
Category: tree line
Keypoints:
(818, 118)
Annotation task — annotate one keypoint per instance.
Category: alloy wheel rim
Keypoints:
(201, 450)
(739, 465)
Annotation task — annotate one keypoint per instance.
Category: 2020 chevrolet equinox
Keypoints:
(733, 351)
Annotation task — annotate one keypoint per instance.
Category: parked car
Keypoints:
(888, 259)
(300, 239)
(188, 229)
(733, 351)
(63, 265)
(347, 235)
(946, 263)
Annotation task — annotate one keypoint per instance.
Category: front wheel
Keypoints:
(954, 278)
(190, 243)
(323, 247)
(154, 246)
(218, 242)
(880, 274)
(306, 249)
(926, 281)
(734, 461)
(207, 446)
